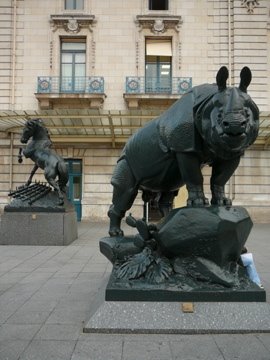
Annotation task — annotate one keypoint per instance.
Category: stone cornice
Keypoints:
(158, 24)
(72, 23)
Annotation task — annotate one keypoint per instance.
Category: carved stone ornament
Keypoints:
(158, 24)
(250, 5)
(72, 23)
(72, 26)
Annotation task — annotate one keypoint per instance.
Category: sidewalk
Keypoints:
(47, 293)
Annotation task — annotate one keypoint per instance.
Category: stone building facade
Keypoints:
(96, 70)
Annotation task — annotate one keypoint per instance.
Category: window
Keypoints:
(158, 64)
(74, 4)
(73, 65)
(158, 4)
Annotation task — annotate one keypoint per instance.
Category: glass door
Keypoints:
(158, 66)
(72, 67)
(75, 185)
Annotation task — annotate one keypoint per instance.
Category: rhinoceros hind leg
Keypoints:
(165, 202)
(115, 222)
(125, 191)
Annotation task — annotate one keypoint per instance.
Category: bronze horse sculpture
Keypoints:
(40, 152)
(212, 124)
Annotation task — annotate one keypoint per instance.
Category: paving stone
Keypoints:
(59, 332)
(62, 316)
(147, 350)
(18, 332)
(48, 350)
(96, 350)
(41, 305)
(11, 349)
(265, 339)
(195, 347)
(242, 347)
(28, 317)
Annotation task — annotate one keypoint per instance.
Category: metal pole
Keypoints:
(11, 161)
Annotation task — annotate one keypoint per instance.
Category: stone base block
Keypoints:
(38, 228)
(170, 318)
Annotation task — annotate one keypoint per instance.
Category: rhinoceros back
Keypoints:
(177, 126)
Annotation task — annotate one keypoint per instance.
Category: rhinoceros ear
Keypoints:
(245, 76)
(221, 78)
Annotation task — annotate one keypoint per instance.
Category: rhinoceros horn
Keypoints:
(234, 103)
(245, 78)
(221, 78)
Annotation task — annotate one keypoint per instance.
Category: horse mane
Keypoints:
(34, 122)
(38, 123)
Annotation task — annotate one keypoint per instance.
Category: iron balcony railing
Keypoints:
(144, 85)
(66, 84)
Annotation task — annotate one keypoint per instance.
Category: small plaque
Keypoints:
(188, 307)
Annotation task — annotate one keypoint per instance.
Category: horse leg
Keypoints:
(50, 175)
(28, 182)
(125, 191)
(62, 175)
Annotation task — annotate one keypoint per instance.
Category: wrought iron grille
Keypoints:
(66, 84)
(144, 85)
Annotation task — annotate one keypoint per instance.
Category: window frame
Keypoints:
(74, 7)
(159, 61)
(161, 8)
(73, 63)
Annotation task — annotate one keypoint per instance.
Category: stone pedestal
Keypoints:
(38, 224)
(38, 228)
(169, 318)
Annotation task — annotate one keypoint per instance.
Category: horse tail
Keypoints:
(62, 173)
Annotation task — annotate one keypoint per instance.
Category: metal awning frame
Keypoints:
(99, 126)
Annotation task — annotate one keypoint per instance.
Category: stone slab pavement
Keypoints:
(47, 293)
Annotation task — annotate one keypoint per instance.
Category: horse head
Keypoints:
(230, 121)
(34, 128)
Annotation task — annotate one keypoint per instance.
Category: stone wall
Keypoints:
(5, 53)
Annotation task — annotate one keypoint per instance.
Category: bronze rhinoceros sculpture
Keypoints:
(212, 124)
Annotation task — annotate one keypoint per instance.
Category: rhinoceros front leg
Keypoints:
(221, 172)
(190, 169)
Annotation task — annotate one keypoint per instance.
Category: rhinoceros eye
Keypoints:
(217, 103)
(219, 115)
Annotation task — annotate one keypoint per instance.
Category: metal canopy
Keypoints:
(98, 126)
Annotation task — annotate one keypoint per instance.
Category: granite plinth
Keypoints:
(168, 317)
(38, 228)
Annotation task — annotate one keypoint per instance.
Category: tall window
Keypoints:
(74, 4)
(158, 4)
(73, 65)
(158, 64)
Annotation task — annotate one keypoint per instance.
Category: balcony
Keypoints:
(53, 91)
(141, 89)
